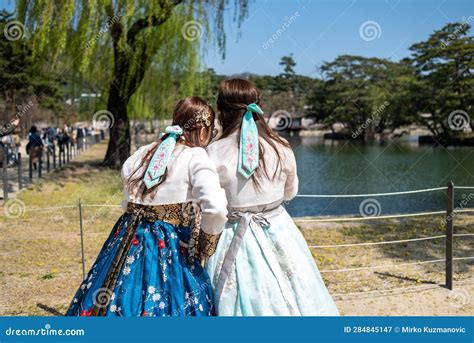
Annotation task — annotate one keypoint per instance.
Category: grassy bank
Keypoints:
(41, 252)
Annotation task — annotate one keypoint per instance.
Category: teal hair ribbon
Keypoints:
(248, 150)
(158, 163)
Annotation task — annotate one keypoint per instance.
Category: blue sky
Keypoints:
(323, 29)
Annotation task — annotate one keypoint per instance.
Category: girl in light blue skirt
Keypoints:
(262, 266)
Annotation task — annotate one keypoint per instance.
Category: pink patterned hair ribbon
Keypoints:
(248, 151)
(158, 163)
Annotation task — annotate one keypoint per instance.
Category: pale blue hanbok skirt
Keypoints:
(273, 274)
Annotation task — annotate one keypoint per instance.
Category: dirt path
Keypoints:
(413, 288)
(431, 301)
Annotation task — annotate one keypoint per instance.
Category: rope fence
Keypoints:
(351, 219)
(392, 265)
(448, 236)
(397, 289)
(379, 194)
(387, 242)
(375, 243)
(369, 195)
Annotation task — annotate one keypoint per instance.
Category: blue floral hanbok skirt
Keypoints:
(144, 268)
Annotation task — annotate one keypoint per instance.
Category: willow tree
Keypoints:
(118, 41)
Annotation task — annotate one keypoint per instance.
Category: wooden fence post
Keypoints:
(47, 160)
(4, 172)
(82, 241)
(30, 166)
(54, 157)
(20, 172)
(449, 235)
(40, 164)
(67, 152)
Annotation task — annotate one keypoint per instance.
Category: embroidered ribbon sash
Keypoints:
(245, 221)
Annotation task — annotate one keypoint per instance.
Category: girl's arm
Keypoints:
(207, 190)
(125, 174)
(291, 186)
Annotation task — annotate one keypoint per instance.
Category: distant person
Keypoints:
(72, 135)
(81, 136)
(63, 140)
(16, 141)
(50, 137)
(8, 148)
(5, 131)
(7, 139)
(35, 147)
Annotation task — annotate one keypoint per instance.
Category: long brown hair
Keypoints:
(232, 100)
(192, 114)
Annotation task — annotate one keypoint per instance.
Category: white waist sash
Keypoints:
(245, 219)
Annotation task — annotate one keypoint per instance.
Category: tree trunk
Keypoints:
(123, 85)
(118, 149)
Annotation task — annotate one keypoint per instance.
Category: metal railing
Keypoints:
(55, 156)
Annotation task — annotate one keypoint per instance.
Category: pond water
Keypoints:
(343, 167)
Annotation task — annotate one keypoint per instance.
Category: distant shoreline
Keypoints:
(422, 136)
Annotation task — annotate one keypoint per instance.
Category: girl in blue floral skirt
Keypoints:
(150, 265)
